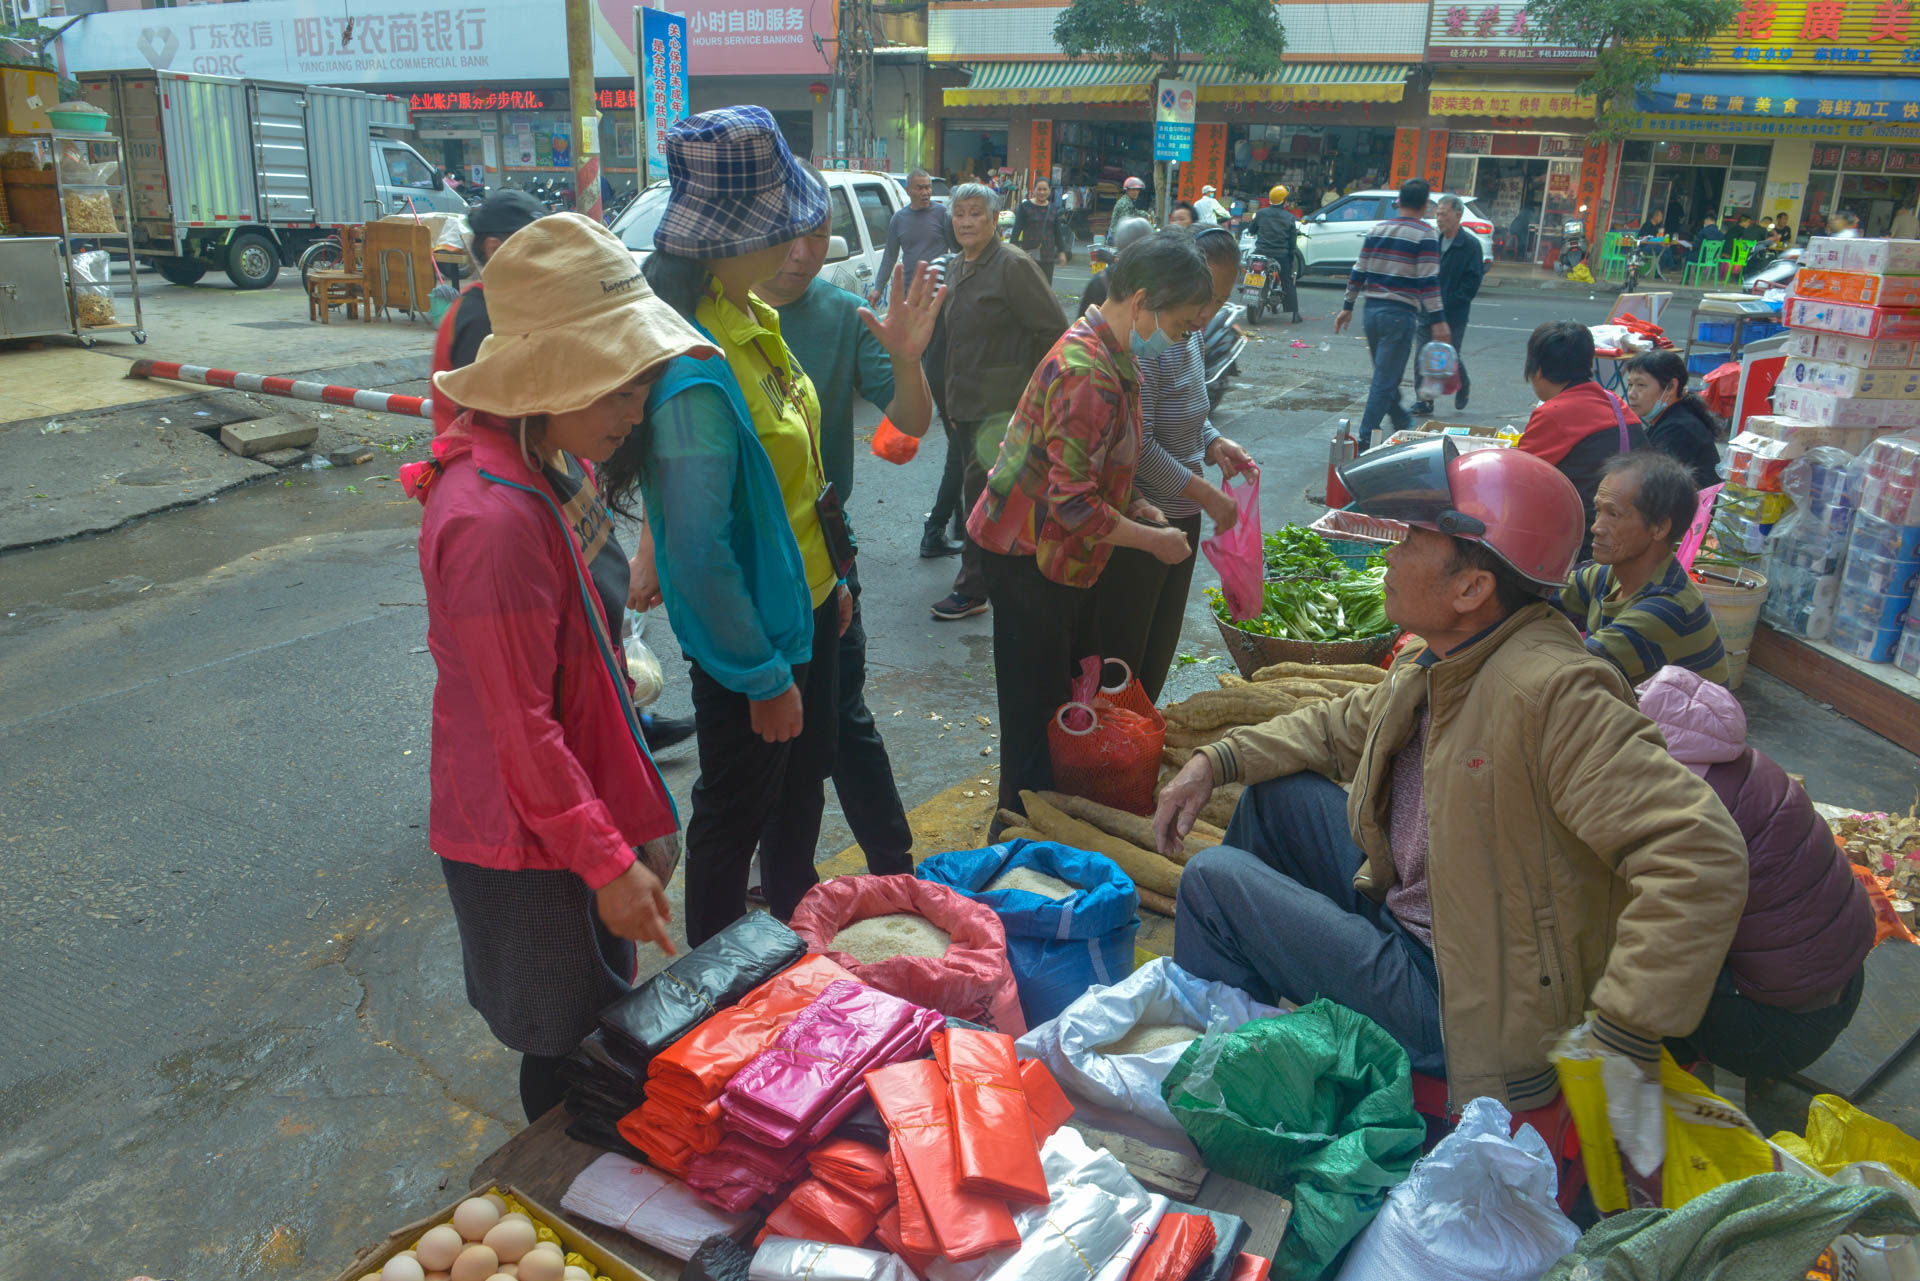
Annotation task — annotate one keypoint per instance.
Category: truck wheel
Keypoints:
(253, 261)
(180, 271)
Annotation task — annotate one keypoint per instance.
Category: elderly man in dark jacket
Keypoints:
(1794, 975)
(1462, 267)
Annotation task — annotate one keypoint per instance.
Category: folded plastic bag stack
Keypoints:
(740, 1171)
(786, 1259)
(859, 1171)
(1056, 948)
(646, 1205)
(607, 1082)
(799, 1089)
(681, 1115)
(992, 1130)
(1121, 1092)
(912, 1098)
(971, 980)
(1178, 1246)
(818, 1211)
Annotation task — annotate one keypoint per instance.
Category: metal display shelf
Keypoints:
(86, 163)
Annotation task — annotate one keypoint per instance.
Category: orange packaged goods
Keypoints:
(1047, 1104)
(816, 1211)
(1251, 1267)
(1178, 1245)
(887, 1233)
(861, 1172)
(681, 1114)
(894, 445)
(912, 1098)
(1866, 288)
(909, 1214)
(992, 1132)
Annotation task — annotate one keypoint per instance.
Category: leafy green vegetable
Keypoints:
(1294, 551)
(1351, 606)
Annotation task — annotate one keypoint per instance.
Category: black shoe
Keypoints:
(1421, 407)
(957, 528)
(662, 732)
(1460, 397)
(1296, 317)
(934, 545)
(956, 607)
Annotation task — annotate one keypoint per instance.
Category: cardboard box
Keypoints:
(572, 1240)
(25, 96)
(1888, 353)
(1846, 318)
(1824, 409)
(1870, 289)
(1824, 253)
(1887, 257)
(1851, 380)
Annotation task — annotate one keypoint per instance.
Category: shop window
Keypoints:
(1636, 153)
(1460, 174)
(1863, 159)
(1904, 160)
(1630, 198)
(1673, 153)
(1753, 155)
(1744, 190)
(1819, 202)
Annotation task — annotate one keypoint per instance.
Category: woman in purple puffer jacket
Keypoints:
(1793, 976)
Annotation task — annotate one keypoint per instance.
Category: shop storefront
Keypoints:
(1687, 180)
(1872, 180)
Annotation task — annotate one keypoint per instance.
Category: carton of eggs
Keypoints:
(487, 1238)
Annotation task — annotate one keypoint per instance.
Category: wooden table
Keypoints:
(542, 1162)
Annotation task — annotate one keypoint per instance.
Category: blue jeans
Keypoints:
(1390, 328)
(1274, 912)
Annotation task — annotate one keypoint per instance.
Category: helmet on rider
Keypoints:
(1127, 231)
(1133, 184)
(1278, 195)
(1520, 507)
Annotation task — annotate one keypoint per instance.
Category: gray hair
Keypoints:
(918, 173)
(1453, 202)
(974, 191)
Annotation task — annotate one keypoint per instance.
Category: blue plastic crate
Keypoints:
(1713, 331)
(1352, 552)
(1758, 329)
(1706, 362)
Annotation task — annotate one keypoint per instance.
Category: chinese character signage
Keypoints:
(1406, 145)
(1209, 164)
(1821, 35)
(386, 42)
(1173, 120)
(1676, 126)
(1436, 174)
(1502, 102)
(661, 82)
(1871, 99)
(1496, 34)
(1040, 151)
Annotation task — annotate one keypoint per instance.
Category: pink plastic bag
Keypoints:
(1238, 556)
(1697, 532)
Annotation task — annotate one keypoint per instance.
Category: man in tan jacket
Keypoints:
(1519, 853)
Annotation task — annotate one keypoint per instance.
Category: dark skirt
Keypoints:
(540, 965)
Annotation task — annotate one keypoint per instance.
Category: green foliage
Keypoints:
(1633, 41)
(1245, 35)
(1351, 606)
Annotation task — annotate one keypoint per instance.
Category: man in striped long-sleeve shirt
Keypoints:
(1398, 272)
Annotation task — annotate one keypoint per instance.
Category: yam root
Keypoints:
(1156, 902)
(1178, 736)
(1149, 870)
(1021, 834)
(1353, 673)
(1128, 827)
(1175, 758)
(1219, 808)
(1241, 705)
(1230, 680)
(1007, 818)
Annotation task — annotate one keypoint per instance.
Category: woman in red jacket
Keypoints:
(554, 829)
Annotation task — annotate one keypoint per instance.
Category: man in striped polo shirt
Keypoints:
(1633, 600)
(1398, 271)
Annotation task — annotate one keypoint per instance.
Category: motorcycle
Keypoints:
(1643, 256)
(1260, 277)
(1573, 249)
(1773, 275)
(1221, 343)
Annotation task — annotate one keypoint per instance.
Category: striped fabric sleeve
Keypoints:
(1399, 262)
(1656, 631)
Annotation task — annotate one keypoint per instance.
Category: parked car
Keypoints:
(1331, 236)
(862, 205)
(939, 187)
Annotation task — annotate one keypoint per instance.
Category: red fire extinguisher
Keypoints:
(1344, 450)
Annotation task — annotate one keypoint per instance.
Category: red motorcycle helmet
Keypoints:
(1517, 505)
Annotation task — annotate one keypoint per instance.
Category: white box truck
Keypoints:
(241, 175)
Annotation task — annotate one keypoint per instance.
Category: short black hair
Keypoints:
(1167, 265)
(1217, 245)
(1851, 218)
(1561, 351)
(1510, 588)
(1667, 491)
(1665, 367)
(500, 215)
(1414, 194)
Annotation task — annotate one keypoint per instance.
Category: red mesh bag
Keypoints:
(894, 445)
(1106, 753)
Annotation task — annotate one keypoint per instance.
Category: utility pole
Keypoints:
(853, 76)
(586, 117)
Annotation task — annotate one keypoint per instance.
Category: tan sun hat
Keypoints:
(572, 318)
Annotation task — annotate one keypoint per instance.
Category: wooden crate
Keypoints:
(33, 201)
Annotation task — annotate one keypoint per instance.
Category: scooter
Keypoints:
(1221, 343)
(1573, 250)
(1775, 275)
(1260, 276)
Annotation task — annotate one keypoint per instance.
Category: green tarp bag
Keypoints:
(1316, 1106)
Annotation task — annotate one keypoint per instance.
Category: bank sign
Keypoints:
(1773, 35)
(318, 42)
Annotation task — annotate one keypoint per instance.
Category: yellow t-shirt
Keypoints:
(786, 416)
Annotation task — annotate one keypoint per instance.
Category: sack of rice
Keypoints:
(1145, 1038)
(954, 960)
(1070, 915)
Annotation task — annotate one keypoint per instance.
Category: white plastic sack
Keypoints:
(617, 1192)
(1121, 1092)
(788, 1259)
(1479, 1207)
(1867, 1258)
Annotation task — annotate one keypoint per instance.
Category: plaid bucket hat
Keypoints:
(735, 188)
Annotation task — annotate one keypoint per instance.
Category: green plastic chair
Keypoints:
(1613, 255)
(1736, 260)
(1704, 263)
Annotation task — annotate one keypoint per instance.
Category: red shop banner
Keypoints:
(1209, 164)
(1406, 145)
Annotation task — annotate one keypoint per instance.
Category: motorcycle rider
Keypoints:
(1275, 231)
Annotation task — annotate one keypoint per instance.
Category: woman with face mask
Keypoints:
(1678, 421)
(1061, 495)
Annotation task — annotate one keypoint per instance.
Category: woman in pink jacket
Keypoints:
(554, 829)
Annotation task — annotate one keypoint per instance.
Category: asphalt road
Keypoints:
(237, 1040)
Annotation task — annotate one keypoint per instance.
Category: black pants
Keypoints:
(1041, 631)
(1142, 604)
(752, 794)
(946, 502)
(1754, 1040)
(862, 774)
(972, 578)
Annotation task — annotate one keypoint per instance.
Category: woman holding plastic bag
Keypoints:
(1141, 599)
(1061, 496)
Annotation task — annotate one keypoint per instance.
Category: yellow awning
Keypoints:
(999, 84)
(1306, 82)
(1558, 102)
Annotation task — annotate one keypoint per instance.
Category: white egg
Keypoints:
(476, 1263)
(497, 1201)
(439, 1247)
(540, 1265)
(511, 1238)
(576, 1274)
(473, 1218)
(403, 1267)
